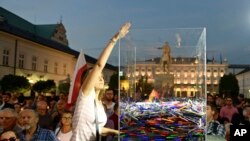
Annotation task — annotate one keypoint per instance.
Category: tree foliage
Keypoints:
(44, 86)
(13, 83)
(228, 86)
(64, 87)
(114, 81)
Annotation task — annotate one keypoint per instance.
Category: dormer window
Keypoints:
(60, 35)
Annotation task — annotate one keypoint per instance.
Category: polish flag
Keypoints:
(75, 86)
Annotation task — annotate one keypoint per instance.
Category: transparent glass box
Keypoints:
(141, 53)
(161, 65)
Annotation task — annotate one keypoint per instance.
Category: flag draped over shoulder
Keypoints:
(80, 68)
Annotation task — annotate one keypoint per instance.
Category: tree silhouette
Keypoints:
(44, 86)
(64, 87)
(13, 83)
(144, 87)
(228, 86)
(114, 82)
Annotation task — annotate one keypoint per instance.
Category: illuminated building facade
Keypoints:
(243, 78)
(186, 76)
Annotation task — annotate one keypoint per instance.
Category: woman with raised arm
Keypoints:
(89, 115)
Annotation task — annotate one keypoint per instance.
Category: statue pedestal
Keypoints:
(164, 84)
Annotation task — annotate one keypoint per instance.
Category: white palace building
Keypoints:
(38, 52)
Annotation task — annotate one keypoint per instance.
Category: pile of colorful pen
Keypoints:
(160, 121)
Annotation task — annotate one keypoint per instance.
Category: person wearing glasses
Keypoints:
(9, 136)
(64, 131)
(89, 115)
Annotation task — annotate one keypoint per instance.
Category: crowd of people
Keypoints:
(46, 117)
(223, 112)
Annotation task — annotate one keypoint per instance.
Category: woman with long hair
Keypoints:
(89, 115)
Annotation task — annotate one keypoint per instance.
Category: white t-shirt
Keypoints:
(64, 136)
(84, 125)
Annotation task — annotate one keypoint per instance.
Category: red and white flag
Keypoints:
(75, 86)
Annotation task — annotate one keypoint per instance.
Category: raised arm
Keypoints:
(90, 80)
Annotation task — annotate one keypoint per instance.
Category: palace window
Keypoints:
(33, 64)
(6, 57)
(64, 69)
(21, 61)
(45, 67)
(55, 68)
